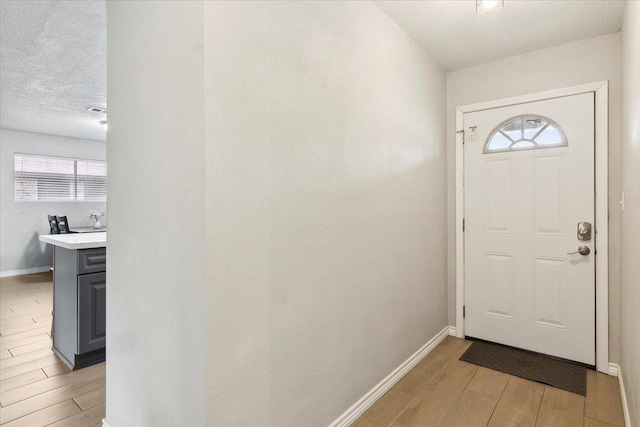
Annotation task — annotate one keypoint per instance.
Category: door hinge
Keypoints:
(463, 225)
(464, 311)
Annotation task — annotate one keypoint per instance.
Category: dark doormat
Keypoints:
(525, 364)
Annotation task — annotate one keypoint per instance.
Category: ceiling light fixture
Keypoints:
(104, 124)
(488, 6)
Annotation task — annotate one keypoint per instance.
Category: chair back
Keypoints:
(53, 224)
(63, 225)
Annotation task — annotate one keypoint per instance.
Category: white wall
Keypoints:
(580, 62)
(323, 171)
(326, 207)
(630, 339)
(22, 222)
(156, 250)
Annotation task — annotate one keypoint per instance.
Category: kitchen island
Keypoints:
(79, 297)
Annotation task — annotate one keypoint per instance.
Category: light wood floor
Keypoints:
(444, 391)
(36, 389)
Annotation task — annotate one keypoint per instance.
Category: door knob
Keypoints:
(582, 250)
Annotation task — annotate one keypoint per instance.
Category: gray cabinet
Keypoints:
(79, 305)
(92, 305)
(92, 260)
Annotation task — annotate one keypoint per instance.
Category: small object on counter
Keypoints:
(96, 215)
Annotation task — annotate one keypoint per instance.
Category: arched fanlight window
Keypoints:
(525, 132)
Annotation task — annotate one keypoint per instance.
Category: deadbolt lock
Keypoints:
(584, 231)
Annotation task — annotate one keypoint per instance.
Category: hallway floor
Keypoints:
(36, 388)
(444, 391)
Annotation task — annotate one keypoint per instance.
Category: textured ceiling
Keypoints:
(53, 66)
(53, 59)
(457, 37)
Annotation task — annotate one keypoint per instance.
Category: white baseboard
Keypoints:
(623, 395)
(10, 273)
(614, 369)
(452, 331)
(105, 423)
(383, 386)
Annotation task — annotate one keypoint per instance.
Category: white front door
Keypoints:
(528, 184)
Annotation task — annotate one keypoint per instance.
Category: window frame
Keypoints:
(75, 180)
(498, 129)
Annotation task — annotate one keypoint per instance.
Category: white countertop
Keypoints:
(76, 240)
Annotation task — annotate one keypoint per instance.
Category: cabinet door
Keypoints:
(92, 304)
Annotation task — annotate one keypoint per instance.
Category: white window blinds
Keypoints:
(57, 179)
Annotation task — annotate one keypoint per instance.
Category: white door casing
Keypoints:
(521, 213)
(601, 91)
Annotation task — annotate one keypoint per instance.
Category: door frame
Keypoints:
(601, 239)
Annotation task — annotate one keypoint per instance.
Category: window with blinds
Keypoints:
(57, 179)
